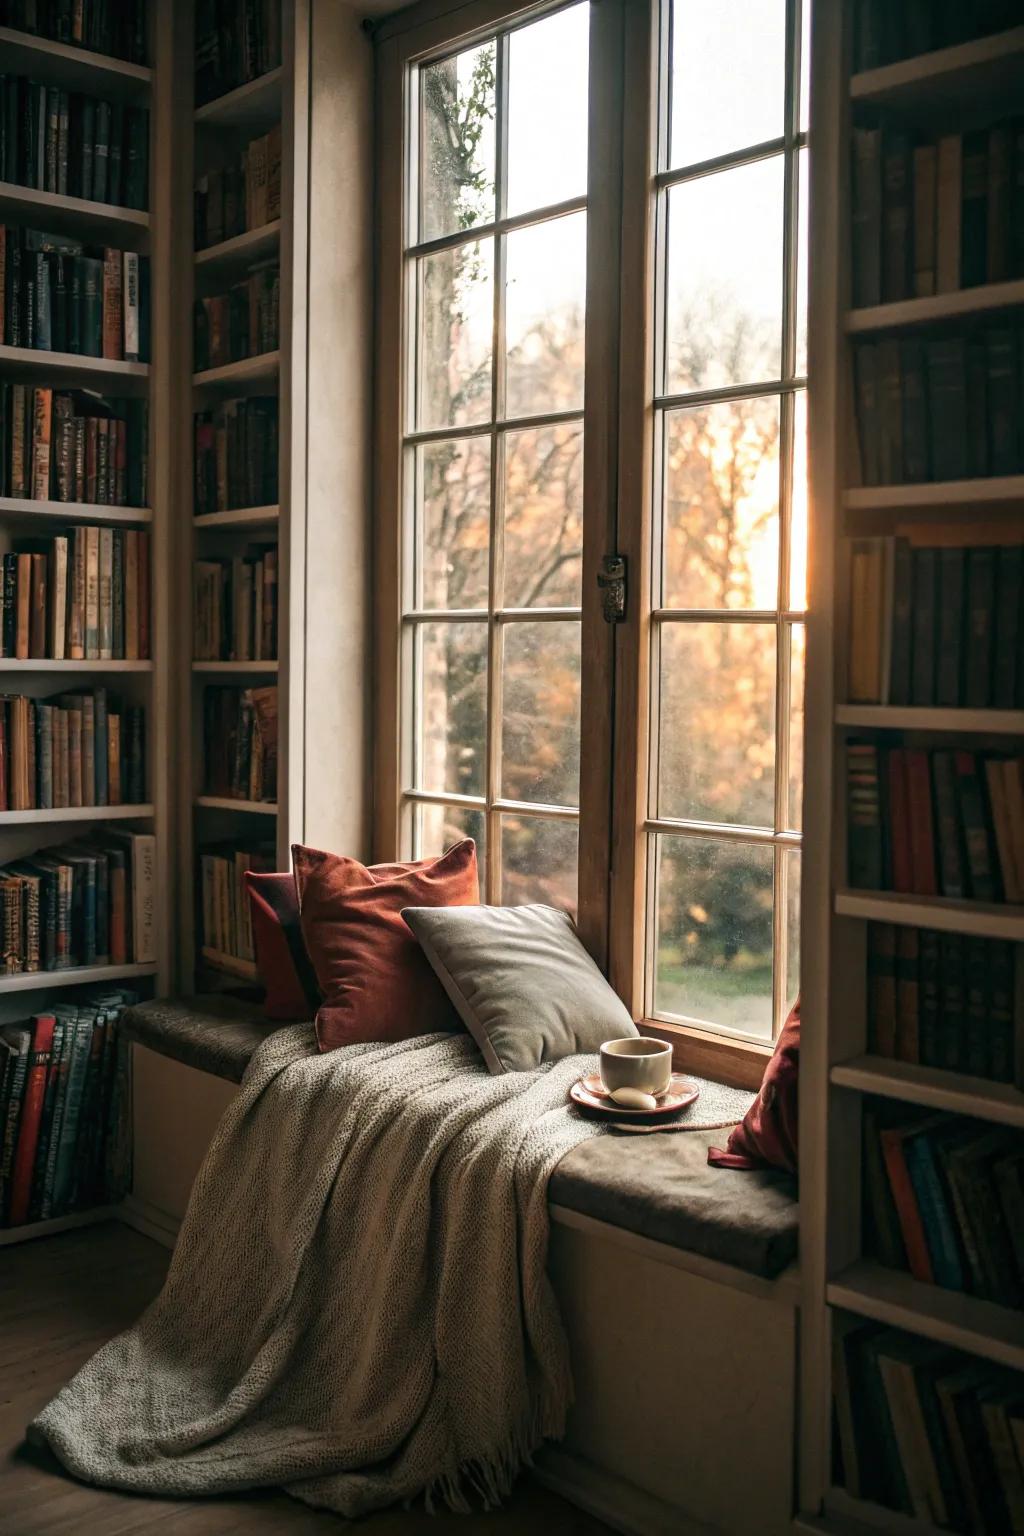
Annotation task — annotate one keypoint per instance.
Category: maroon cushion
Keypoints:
(767, 1135)
(282, 962)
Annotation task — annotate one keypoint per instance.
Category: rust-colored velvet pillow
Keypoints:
(767, 1135)
(375, 981)
(290, 989)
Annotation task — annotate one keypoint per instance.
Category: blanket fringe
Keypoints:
(486, 1481)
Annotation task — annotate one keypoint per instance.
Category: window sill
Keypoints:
(738, 1063)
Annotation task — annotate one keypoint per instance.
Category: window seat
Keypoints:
(658, 1187)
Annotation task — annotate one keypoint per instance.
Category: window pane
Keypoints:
(714, 933)
(453, 483)
(457, 114)
(547, 110)
(724, 296)
(544, 517)
(796, 727)
(545, 297)
(716, 747)
(728, 76)
(455, 331)
(452, 697)
(437, 827)
(721, 506)
(803, 172)
(540, 734)
(538, 861)
(798, 511)
(793, 868)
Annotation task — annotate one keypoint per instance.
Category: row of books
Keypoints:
(64, 1104)
(946, 1000)
(927, 1431)
(240, 743)
(936, 625)
(114, 27)
(246, 195)
(74, 749)
(236, 41)
(947, 823)
(226, 933)
(885, 31)
(236, 455)
(75, 145)
(947, 408)
(62, 296)
(240, 323)
(945, 1200)
(938, 216)
(79, 596)
(87, 902)
(73, 447)
(235, 607)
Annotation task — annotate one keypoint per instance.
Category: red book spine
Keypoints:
(905, 1200)
(28, 1132)
(899, 823)
(922, 825)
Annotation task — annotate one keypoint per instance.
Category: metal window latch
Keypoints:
(611, 579)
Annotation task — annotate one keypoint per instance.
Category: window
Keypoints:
(691, 297)
(727, 565)
(495, 278)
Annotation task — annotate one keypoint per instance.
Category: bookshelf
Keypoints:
(212, 137)
(964, 88)
(140, 683)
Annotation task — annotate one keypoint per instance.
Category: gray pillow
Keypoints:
(522, 982)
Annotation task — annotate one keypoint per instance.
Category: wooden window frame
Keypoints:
(627, 43)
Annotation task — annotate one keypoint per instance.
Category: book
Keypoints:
(37, 1072)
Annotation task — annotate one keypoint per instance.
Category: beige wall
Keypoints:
(340, 317)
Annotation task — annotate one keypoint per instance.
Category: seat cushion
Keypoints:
(662, 1188)
(659, 1186)
(213, 1033)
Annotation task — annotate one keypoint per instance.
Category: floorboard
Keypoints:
(60, 1299)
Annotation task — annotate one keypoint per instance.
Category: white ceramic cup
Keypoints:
(636, 1062)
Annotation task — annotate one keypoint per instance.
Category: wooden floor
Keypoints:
(60, 1298)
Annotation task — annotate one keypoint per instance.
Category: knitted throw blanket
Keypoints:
(358, 1308)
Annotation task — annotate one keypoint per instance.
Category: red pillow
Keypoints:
(281, 959)
(375, 981)
(767, 1135)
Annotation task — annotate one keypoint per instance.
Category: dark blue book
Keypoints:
(936, 1215)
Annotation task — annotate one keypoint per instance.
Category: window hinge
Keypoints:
(611, 579)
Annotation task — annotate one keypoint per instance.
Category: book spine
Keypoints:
(37, 1071)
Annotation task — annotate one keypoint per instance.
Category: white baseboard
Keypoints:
(622, 1505)
(149, 1220)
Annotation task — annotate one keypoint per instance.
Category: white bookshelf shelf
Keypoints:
(227, 803)
(22, 508)
(238, 518)
(71, 367)
(74, 215)
(252, 371)
(961, 495)
(75, 68)
(975, 722)
(933, 1088)
(44, 664)
(239, 668)
(81, 975)
(939, 306)
(252, 106)
(252, 245)
(228, 965)
(982, 919)
(67, 813)
(963, 1322)
(948, 78)
(11, 1236)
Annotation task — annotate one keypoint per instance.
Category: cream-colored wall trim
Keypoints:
(785, 1290)
(619, 1504)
